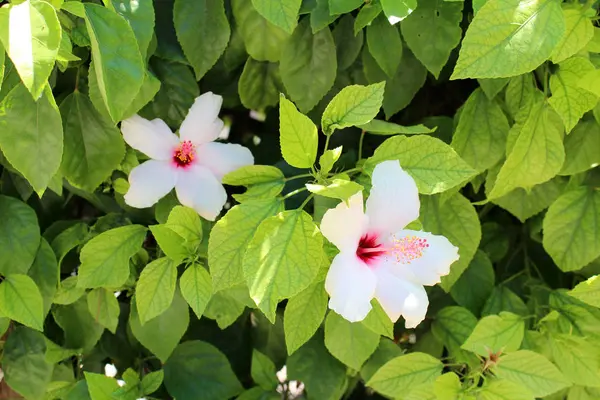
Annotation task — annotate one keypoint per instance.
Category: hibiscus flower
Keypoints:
(378, 257)
(192, 162)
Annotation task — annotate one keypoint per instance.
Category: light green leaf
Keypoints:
(366, 15)
(298, 136)
(170, 242)
(263, 371)
(68, 292)
(447, 386)
(397, 377)
(303, 315)
(532, 371)
(457, 220)
(80, 328)
(19, 236)
(504, 299)
(149, 89)
(230, 237)
(588, 291)
(496, 333)
(347, 44)
(283, 13)
(105, 258)
(308, 66)
(196, 288)
(491, 87)
(45, 273)
(432, 31)
(354, 105)
(377, 127)
(140, 15)
(397, 10)
(227, 305)
(31, 34)
(328, 159)
(186, 223)
(387, 350)
(338, 189)
(259, 84)
(579, 31)
(32, 135)
(577, 358)
(21, 301)
(100, 387)
(509, 37)
(582, 148)
(571, 229)
(475, 284)
(574, 315)
(378, 321)
(351, 343)
(416, 154)
(569, 99)
(337, 7)
(452, 326)
(519, 92)
(291, 262)
(152, 381)
(480, 137)
(253, 174)
(104, 307)
(93, 149)
(381, 37)
(155, 288)
(500, 389)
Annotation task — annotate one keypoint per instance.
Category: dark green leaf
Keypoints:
(19, 236)
(381, 37)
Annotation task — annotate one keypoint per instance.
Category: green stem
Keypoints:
(291, 178)
(353, 170)
(327, 142)
(295, 192)
(360, 145)
(305, 202)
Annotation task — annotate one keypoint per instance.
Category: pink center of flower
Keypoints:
(405, 249)
(184, 154)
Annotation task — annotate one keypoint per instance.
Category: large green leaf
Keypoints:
(351, 343)
(32, 135)
(105, 258)
(504, 299)
(510, 37)
(290, 263)
(69, 239)
(452, 326)
(31, 34)
(347, 44)
(80, 328)
(93, 146)
(575, 316)
(381, 36)
(196, 288)
(19, 236)
(100, 387)
(263, 371)
(282, 13)
(519, 92)
(155, 288)
(367, 14)
(21, 301)
(475, 285)
(432, 31)
(579, 31)
(500, 389)
(588, 291)
(303, 315)
(149, 89)
(577, 358)
(496, 333)
(572, 229)
(491, 87)
(298, 136)
(203, 32)
(104, 307)
(259, 84)
(198, 370)
(45, 273)
(321, 16)
(226, 306)
(582, 148)
(140, 15)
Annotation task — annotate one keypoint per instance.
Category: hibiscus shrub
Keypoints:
(285, 199)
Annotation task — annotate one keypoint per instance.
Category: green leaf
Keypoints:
(480, 137)
(397, 377)
(496, 333)
(32, 135)
(337, 189)
(155, 288)
(321, 16)
(328, 159)
(202, 30)
(500, 389)
(366, 15)
(519, 93)
(576, 358)
(509, 37)
(19, 236)
(45, 273)
(457, 220)
(377, 127)
(569, 99)
(303, 315)
(152, 381)
(80, 328)
(351, 343)
(149, 89)
(416, 154)
(199, 370)
(24, 363)
(196, 288)
(161, 335)
(105, 258)
(259, 84)
(347, 44)
(283, 14)
(253, 174)
(583, 393)
(381, 37)
(504, 299)
(264, 41)
(432, 31)
(386, 351)
(378, 321)
(532, 371)
(308, 66)
(582, 148)
(187, 224)
(170, 242)
(31, 34)
(230, 237)
(588, 291)
(263, 371)
(574, 315)
(354, 105)
(579, 31)
(290, 264)
(452, 326)
(475, 285)
(571, 233)
(21, 301)
(104, 307)
(114, 45)
(397, 10)
(140, 15)
(298, 136)
(227, 305)
(491, 87)
(93, 148)
(68, 292)
(69, 239)
(343, 6)
(100, 387)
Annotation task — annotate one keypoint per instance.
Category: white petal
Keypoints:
(153, 138)
(149, 182)
(344, 225)
(400, 296)
(223, 158)
(435, 260)
(351, 286)
(202, 123)
(198, 188)
(394, 199)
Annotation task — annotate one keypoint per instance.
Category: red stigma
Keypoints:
(369, 249)
(184, 154)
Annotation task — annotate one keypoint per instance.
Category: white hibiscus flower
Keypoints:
(380, 259)
(192, 162)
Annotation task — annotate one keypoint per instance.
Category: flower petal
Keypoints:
(223, 158)
(435, 259)
(202, 123)
(153, 138)
(351, 286)
(198, 188)
(344, 225)
(149, 182)
(394, 199)
(400, 296)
